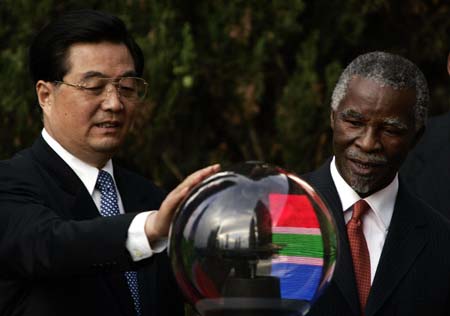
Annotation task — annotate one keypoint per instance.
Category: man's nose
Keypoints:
(369, 140)
(112, 100)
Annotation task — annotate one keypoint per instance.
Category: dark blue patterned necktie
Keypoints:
(110, 207)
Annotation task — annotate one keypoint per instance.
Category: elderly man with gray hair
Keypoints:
(392, 247)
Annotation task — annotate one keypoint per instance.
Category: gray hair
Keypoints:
(387, 70)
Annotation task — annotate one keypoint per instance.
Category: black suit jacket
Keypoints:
(413, 274)
(58, 256)
(426, 170)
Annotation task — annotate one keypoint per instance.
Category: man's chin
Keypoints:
(109, 146)
(362, 185)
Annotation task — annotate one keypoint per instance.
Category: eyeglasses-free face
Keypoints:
(373, 130)
(132, 89)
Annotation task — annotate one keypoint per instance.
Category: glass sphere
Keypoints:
(253, 240)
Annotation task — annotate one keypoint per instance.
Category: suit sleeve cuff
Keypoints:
(137, 243)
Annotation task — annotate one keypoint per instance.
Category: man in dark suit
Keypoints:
(426, 170)
(77, 232)
(392, 247)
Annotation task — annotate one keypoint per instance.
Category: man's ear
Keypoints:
(44, 91)
(418, 136)
(332, 114)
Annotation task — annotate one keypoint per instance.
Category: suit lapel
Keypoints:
(79, 206)
(343, 275)
(77, 200)
(405, 240)
(131, 194)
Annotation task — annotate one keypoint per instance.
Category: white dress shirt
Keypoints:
(137, 243)
(375, 222)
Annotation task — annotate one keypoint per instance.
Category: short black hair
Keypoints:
(48, 51)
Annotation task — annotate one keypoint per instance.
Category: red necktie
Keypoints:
(360, 252)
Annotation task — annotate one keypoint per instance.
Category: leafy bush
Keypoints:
(231, 80)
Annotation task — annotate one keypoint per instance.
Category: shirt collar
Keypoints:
(381, 202)
(87, 173)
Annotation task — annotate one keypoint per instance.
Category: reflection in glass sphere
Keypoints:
(253, 240)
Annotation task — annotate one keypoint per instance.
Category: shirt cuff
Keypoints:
(137, 243)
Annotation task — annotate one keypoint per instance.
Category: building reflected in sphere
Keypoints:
(253, 240)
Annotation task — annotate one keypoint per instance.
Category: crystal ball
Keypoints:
(253, 239)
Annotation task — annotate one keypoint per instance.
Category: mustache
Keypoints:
(366, 158)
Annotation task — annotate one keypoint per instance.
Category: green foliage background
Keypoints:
(231, 80)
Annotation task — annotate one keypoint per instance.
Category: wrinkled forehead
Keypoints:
(373, 90)
(368, 98)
